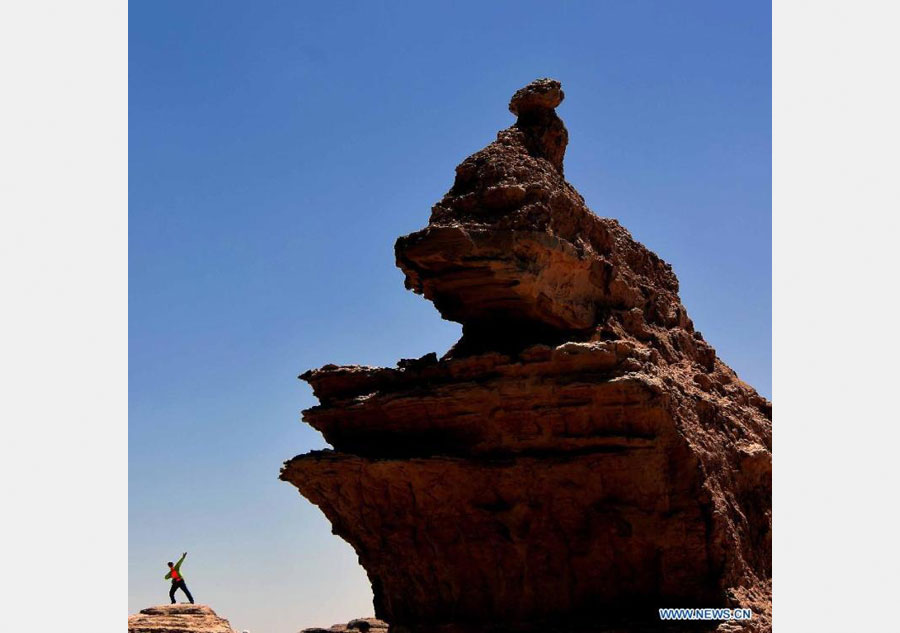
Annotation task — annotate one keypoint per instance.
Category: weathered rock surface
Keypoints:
(580, 453)
(178, 618)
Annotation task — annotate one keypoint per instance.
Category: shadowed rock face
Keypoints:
(581, 450)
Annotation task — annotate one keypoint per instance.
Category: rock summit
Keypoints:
(178, 618)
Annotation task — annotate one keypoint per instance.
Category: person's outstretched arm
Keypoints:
(180, 560)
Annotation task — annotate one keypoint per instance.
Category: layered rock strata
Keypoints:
(178, 618)
(580, 450)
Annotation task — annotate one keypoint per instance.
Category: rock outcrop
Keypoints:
(360, 625)
(580, 451)
(178, 618)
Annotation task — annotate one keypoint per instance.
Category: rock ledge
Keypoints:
(178, 618)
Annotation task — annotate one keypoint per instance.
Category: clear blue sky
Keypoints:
(277, 149)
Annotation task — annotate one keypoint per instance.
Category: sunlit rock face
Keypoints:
(178, 618)
(580, 451)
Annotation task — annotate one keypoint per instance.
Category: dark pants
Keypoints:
(179, 584)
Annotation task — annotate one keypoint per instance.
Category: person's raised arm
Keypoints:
(180, 560)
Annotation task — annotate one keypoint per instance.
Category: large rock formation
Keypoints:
(178, 618)
(580, 451)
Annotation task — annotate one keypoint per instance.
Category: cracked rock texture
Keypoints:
(178, 618)
(580, 455)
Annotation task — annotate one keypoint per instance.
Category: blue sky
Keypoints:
(277, 149)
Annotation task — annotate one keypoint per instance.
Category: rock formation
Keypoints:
(178, 618)
(360, 625)
(580, 451)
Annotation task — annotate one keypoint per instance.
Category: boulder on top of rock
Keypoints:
(540, 94)
(178, 618)
(538, 129)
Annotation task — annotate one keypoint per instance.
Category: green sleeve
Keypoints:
(167, 576)
(178, 564)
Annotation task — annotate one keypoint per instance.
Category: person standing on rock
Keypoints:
(178, 580)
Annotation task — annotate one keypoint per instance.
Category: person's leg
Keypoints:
(172, 592)
(186, 592)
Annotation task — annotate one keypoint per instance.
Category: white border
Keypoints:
(63, 257)
(835, 193)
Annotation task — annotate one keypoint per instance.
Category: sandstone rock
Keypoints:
(178, 618)
(359, 625)
(540, 94)
(580, 455)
